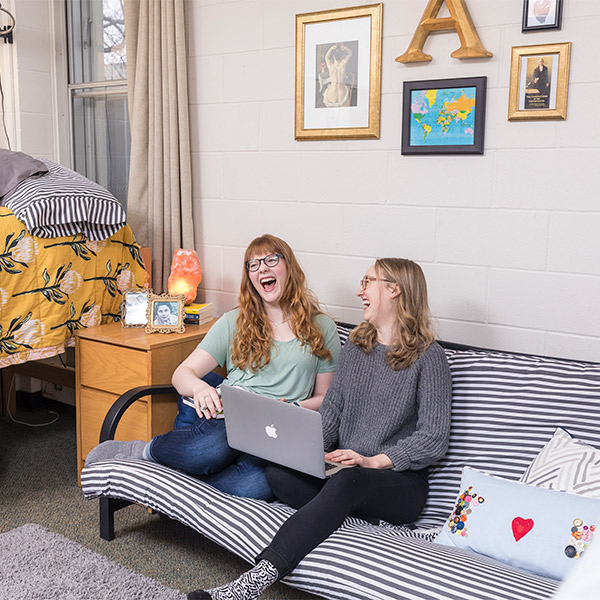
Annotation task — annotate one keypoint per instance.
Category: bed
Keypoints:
(66, 257)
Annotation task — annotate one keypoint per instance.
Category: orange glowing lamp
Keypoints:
(185, 275)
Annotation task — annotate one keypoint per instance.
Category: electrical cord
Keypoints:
(4, 34)
(52, 412)
(3, 111)
(9, 29)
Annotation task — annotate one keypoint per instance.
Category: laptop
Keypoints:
(282, 433)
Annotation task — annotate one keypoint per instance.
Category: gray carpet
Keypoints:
(36, 563)
(38, 484)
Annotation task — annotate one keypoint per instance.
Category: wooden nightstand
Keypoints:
(110, 360)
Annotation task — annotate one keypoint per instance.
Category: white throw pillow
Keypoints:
(566, 464)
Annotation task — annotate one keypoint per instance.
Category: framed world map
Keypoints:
(444, 116)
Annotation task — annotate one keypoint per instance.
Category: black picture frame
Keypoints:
(454, 107)
(535, 13)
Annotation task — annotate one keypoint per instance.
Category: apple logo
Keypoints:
(271, 430)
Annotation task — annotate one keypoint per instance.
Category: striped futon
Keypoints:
(505, 408)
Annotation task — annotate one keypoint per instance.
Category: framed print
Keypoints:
(444, 116)
(165, 313)
(541, 14)
(134, 308)
(539, 82)
(338, 73)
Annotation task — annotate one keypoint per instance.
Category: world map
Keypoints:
(443, 117)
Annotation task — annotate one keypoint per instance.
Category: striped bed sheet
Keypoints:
(505, 408)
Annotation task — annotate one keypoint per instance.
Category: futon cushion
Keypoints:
(540, 530)
(566, 464)
(505, 408)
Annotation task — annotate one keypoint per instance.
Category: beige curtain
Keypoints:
(159, 204)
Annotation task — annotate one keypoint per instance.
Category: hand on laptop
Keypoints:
(352, 458)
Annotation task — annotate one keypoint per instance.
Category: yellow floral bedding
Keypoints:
(51, 287)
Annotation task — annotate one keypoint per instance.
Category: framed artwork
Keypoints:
(338, 73)
(165, 313)
(541, 14)
(134, 308)
(539, 82)
(444, 116)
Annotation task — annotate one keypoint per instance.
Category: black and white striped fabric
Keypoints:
(505, 408)
(63, 203)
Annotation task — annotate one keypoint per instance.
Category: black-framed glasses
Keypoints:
(270, 261)
(366, 280)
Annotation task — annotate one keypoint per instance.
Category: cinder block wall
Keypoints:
(508, 240)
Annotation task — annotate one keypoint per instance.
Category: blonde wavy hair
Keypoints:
(252, 343)
(414, 332)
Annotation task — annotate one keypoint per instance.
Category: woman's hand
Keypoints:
(354, 459)
(207, 401)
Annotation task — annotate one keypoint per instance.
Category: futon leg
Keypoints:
(108, 506)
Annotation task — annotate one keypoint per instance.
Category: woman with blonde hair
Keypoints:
(386, 414)
(277, 342)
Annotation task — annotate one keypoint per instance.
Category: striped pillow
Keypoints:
(63, 202)
(566, 464)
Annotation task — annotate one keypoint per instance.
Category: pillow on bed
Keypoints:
(566, 464)
(63, 203)
(15, 167)
(539, 530)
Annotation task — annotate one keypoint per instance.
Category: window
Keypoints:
(98, 93)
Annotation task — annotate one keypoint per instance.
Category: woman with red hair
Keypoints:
(277, 342)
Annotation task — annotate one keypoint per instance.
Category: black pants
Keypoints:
(373, 494)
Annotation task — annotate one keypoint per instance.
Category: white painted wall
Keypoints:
(508, 240)
(512, 258)
(34, 80)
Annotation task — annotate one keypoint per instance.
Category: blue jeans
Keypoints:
(186, 415)
(202, 450)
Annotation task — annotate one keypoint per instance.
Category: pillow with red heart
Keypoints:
(539, 530)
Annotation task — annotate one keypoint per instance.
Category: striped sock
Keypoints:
(248, 586)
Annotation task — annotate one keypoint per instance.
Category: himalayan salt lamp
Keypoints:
(185, 274)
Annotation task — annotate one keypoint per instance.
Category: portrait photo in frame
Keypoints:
(338, 73)
(134, 308)
(541, 14)
(444, 116)
(165, 313)
(539, 82)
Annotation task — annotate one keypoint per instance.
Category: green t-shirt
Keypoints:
(292, 369)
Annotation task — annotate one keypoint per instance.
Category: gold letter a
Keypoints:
(459, 20)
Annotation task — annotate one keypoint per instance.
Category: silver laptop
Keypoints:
(276, 431)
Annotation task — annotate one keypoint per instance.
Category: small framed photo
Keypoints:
(539, 82)
(134, 308)
(541, 14)
(444, 116)
(338, 73)
(165, 313)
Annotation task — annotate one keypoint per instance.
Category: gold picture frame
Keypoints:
(539, 82)
(338, 73)
(165, 313)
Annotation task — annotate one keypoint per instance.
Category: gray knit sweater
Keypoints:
(405, 414)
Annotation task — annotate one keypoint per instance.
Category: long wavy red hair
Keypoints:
(414, 333)
(252, 343)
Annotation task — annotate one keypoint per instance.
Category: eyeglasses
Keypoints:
(366, 280)
(270, 261)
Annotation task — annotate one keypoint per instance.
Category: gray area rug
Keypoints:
(38, 564)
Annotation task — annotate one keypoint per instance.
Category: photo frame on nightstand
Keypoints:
(165, 313)
(134, 308)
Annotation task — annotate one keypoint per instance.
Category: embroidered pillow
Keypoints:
(536, 529)
(566, 464)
